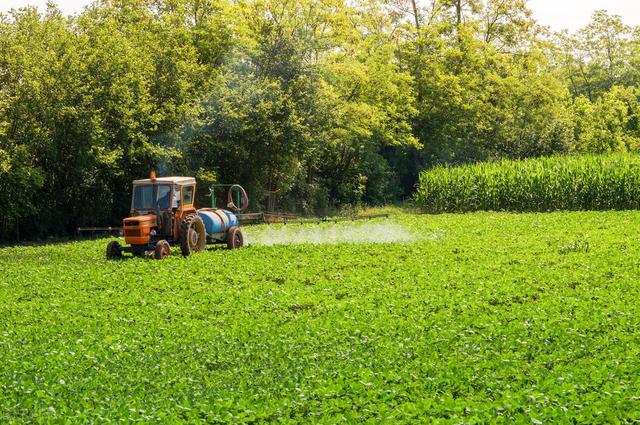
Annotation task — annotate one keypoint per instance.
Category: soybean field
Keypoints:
(484, 317)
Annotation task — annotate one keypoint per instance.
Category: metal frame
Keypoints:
(212, 194)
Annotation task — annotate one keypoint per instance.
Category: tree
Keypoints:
(313, 91)
(599, 56)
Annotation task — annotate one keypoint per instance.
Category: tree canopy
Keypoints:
(311, 105)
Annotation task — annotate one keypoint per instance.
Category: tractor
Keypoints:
(163, 214)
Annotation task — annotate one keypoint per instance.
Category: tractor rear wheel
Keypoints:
(162, 250)
(113, 250)
(235, 239)
(193, 237)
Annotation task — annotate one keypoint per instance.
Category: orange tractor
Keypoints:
(163, 214)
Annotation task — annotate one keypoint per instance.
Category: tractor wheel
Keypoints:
(235, 239)
(113, 250)
(162, 250)
(193, 237)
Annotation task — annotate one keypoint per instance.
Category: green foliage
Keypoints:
(311, 105)
(482, 318)
(544, 184)
(18, 184)
(600, 56)
(488, 92)
(96, 102)
(611, 123)
(201, 87)
(301, 129)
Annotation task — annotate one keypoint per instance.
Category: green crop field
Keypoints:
(486, 317)
(560, 183)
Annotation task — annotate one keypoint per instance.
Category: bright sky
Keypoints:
(575, 14)
(558, 14)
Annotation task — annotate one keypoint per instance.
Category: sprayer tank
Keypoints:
(218, 221)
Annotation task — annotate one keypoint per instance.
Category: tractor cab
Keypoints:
(163, 214)
(162, 194)
(153, 197)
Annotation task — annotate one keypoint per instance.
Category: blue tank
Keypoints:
(218, 222)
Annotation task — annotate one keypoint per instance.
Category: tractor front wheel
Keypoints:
(162, 250)
(235, 239)
(113, 250)
(193, 237)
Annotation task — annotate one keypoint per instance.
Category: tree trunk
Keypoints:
(415, 15)
(459, 20)
(458, 13)
(418, 63)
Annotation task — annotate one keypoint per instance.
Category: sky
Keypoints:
(557, 14)
(576, 14)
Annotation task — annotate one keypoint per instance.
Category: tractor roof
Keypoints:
(174, 180)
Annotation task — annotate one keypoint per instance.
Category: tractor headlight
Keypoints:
(152, 232)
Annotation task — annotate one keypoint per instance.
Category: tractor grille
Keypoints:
(133, 232)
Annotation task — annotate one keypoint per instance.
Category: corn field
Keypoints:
(590, 182)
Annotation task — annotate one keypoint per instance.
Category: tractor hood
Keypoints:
(141, 220)
(137, 230)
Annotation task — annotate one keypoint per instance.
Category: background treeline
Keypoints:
(311, 105)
